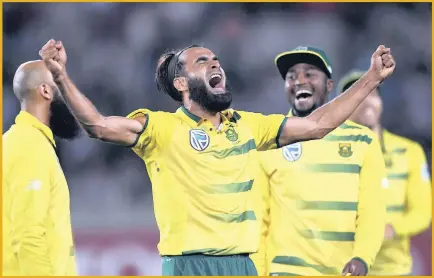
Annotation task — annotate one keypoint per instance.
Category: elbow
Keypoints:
(427, 221)
(95, 130)
(425, 215)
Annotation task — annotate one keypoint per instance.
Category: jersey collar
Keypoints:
(28, 119)
(227, 115)
(290, 113)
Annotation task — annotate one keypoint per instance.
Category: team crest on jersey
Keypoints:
(292, 152)
(231, 134)
(199, 140)
(345, 149)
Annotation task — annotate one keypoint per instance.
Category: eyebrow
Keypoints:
(205, 58)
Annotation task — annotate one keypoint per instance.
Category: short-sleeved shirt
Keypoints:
(202, 178)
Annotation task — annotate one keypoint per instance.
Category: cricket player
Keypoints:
(323, 209)
(408, 190)
(202, 159)
(37, 236)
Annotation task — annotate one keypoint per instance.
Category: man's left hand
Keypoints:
(355, 267)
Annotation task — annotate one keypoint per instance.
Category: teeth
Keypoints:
(215, 75)
(303, 92)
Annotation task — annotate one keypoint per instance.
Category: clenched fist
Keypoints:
(54, 55)
(355, 267)
(382, 63)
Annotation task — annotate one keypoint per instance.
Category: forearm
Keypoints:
(371, 220)
(333, 114)
(83, 109)
(368, 239)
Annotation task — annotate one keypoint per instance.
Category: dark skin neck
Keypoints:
(38, 111)
(301, 114)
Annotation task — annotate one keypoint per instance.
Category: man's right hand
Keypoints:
(54, 55)
(382, 64)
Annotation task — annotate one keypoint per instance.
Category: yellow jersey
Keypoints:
(37, 236)
(321, 203)
(408, 201)
(202, 178)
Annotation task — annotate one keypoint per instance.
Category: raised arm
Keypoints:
(113, 129)
(331, 115)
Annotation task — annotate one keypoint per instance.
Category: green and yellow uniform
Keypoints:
(202, 180)
(323, 204)
(408, 202)
(37, 236)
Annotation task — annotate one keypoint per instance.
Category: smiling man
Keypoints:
(202, 159)
(321, 200)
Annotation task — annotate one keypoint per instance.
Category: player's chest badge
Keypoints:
(231, 134)
(345, 149)
(199, 139)
(292, 152)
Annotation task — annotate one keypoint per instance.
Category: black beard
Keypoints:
(213, 103)
(304, 113)
(62, 122)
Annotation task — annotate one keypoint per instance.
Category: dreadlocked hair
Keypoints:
(162, 75)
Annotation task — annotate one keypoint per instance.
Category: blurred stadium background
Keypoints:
(112, 52)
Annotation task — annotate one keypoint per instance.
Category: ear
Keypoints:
(180, 83)
(329, 85)
(45, 91)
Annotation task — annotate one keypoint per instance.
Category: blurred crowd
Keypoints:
(113, 49)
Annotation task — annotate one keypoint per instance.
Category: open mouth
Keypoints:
(303, 94)
(216, 81)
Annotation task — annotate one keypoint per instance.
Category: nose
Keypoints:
(215, 65)
(300, 80)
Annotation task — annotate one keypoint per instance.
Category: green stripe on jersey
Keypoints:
(231, 187)
(283, 274)
(333, 168)
(328, 236)
(296, 261)
(235, 218)
(347, 126)
(353, 138)
(399, 150)
(400, 176)
(208, 251)
(325, 205)
(237, 150)
(397, 208)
